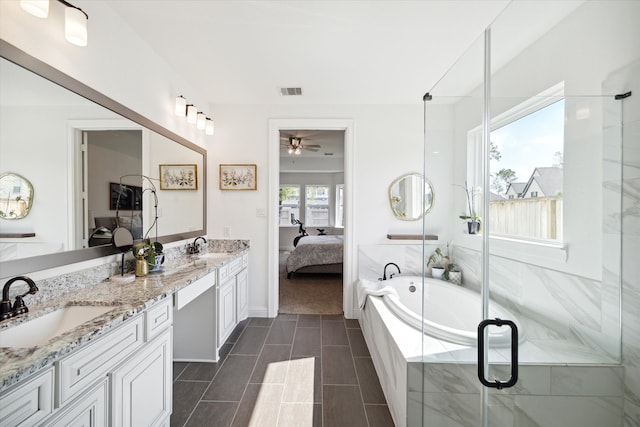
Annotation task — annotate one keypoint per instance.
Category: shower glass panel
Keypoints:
(536, 149)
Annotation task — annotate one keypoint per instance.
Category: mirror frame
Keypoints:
(43, 262)
(30, 187)
(395, 182)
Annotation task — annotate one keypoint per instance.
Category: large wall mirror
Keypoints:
(75, 146)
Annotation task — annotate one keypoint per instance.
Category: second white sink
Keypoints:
(38, 331)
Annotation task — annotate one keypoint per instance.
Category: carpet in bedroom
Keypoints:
(309, 293)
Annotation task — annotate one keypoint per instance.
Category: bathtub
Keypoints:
(452, 313)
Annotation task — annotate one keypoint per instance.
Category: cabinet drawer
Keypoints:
(90, 410)
(235, 265)
(90, 363)
(185, 295)
(158, 318)
(223, 273)
(29, 403)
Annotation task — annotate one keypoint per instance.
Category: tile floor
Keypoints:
(295, 370)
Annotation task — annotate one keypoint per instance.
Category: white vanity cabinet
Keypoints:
(122, 378)
(233, 296)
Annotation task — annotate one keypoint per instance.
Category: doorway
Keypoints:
(283, 128)
(311, 221)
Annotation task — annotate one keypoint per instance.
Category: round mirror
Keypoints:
(410, 196)
(16, 196)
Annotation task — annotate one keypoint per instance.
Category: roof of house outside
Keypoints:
(517, 187)
(549, 179)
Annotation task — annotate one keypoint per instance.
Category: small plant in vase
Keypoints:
(453, 274)
(149, 254)
(472, 219)
(438, 262)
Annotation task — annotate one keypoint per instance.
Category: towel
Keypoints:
(377, 289)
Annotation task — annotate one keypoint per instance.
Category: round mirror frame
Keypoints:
(394, 199)
(22, 200)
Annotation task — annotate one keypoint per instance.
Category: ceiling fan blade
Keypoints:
(310, 149)
(311, 146)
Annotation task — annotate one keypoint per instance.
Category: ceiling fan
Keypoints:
(294, 145)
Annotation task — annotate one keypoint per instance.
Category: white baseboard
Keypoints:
(258, 312)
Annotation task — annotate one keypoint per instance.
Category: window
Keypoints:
(526, 167)
(289, 199)
(317, 205)
(339, 206)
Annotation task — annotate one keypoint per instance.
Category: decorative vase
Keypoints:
(473, 227)
(158, 263)
(437, 272)
(142, 268)
(455, 277)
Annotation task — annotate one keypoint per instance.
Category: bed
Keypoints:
(316, 254)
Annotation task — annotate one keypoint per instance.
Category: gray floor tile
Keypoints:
(300, 415)
(251, 341)
(357, 342)
(271, 366)
(281, 332)
(333, 317)
(178, 367)
(186, 395)
(337, 366)
(352, 323)
(219, 414)
(260, 321)
(379, 416)
(368, 380)
(304, 380)
(307, 342)
(342, 406)
(224, 351)
(259, 406)
(308, 321)
(282, 316)
(237, 331)
(334, 333)
(231, 380)
(200, 371)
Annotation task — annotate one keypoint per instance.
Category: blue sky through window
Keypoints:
(530, 141)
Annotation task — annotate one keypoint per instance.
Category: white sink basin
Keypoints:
(213, 255)
(41, 329)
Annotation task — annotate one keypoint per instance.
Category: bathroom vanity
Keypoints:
(114, 365)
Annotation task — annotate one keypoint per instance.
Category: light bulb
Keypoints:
(290, 150)
(39, 8)
(75, 26)
(181, 106)
(298, 150)
(192, 113)
(201, 121)
(209, 128)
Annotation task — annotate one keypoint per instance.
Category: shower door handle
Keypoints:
(514, 354)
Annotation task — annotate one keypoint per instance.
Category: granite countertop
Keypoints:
(128, 295)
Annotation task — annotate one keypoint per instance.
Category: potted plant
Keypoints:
(453, 274)
(438, 263)
(149, 254)
(473, 220)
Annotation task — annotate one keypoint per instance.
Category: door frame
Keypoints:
(275, 126)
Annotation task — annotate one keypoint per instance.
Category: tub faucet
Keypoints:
(384, 273)
(6, 310)
(194, 248)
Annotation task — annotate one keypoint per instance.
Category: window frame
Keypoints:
(474, 151)
(327, 205)
(299, 206)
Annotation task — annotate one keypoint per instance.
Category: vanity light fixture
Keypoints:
(38, 8)
(201, 121)
(209, 127)
(181, 106)
(192, 114)
(75, 19)
(199, 118)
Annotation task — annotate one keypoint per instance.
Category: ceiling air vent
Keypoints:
(291, 91)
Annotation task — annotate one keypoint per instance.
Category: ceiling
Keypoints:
(338, 52)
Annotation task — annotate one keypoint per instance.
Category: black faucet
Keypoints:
(193, 248)
(384, 273)
(6, 310)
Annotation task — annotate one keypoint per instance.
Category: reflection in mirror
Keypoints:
(77, 150)
(410, 197)
(16, 196)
